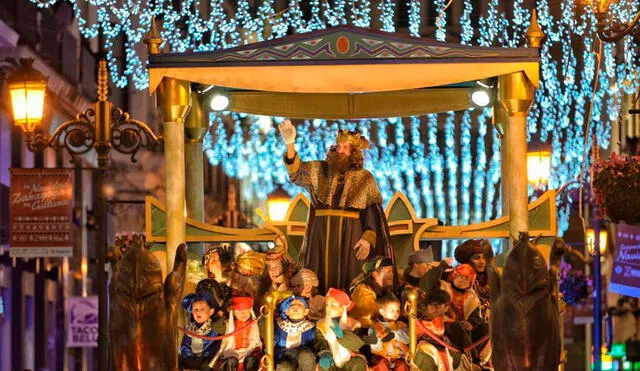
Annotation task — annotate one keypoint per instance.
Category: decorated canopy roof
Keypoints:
(343, 61)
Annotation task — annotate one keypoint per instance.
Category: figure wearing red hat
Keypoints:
(337, 347)
(464, 326)
(478, 254)
(346, 223)
(243, 350)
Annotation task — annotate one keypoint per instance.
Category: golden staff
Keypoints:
(267, 362)
(411, 308)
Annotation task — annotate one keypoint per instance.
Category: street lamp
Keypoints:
(591, 241)
(611, 29)
(27, 88)
(101, 128)
(277, 204)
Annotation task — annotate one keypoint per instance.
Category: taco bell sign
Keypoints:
(82, 322)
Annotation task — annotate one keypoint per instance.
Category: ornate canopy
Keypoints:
(346, 72)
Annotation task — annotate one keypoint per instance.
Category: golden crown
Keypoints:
(353, 138)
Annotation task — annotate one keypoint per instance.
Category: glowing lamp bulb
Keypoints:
(219, 102)
(480, 98)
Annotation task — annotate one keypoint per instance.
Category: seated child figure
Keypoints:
(465, 310)
(243, 349)
(392, 337)
(433, 353)
(336, 345)
(464, 325)
(294, 336)
(196, 353)
(305, 283)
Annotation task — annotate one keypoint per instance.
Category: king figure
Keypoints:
(346, 221)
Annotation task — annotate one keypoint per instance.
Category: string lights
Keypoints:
(451, 173)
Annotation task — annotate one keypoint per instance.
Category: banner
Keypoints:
(82, 321)
(41, 209)
(625, 275)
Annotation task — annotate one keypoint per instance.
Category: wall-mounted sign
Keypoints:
(625, 275)
(82, 321)
(41, 208)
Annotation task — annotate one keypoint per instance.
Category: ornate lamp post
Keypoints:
(611, 29)
(101, 128)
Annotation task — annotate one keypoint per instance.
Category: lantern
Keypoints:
(278, 204)
(27, 87)
(539, 168)
(591, 241)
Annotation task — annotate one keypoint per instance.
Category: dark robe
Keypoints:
(328, 246)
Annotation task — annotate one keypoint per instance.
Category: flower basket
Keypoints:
(574, 285)
(616, 184)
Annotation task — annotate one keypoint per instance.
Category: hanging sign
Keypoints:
(625, 275)
(41, 208)
(82, 321)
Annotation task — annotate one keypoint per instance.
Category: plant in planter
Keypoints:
(574, 285)
(616, 185)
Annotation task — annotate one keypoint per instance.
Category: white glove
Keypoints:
(288, 131)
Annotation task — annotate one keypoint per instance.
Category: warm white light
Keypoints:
(538, 168)
(27, 88)
(84, 267)
(591, 241)
(277, 204)
(28, 103)
(277, 209)
(480, 97)
(219, 102)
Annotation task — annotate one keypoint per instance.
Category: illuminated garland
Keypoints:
(443, 180)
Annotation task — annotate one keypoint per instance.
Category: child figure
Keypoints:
(392, 337)
(243, 350)
(196, 353)
(465, 310)
(433, 353)
(305, 283)
(464, 301)
(294, 336)
(337, 347)
(464, 326)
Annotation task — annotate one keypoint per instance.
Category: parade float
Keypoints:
(347, 73)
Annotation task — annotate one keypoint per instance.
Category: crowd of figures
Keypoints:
(360, 327)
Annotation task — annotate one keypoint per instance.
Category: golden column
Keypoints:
(500, 123)
(195, 129)
(516, 93)
(173, 98)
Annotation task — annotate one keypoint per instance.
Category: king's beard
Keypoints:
(338, 163)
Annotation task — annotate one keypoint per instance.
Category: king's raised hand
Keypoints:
(288, 131)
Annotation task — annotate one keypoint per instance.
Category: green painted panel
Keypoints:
(195, 231)
(300, 213)
(399, 211)
(539, 217)
(158, 247)
(158, 222)
(295, 244)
